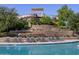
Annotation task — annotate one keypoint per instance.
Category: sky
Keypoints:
(49, 9)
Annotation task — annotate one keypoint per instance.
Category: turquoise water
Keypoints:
(48, 49)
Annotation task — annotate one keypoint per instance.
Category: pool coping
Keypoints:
(53, 42)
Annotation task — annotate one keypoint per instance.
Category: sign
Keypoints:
(37, 9)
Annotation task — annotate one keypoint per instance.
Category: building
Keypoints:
(37, 13)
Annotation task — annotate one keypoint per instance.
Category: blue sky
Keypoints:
(49, 9)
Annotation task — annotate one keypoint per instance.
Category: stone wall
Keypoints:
(42, 27)
(47, 30)
(50, 30)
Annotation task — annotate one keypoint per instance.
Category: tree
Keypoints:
(10, 21)
(74, 22)
(64, 15)
(21, 24)
(46, 20)
(33, 21)
(7, 18)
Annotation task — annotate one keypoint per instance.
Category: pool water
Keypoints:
(45, 49)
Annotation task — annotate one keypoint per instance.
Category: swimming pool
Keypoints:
(45, 49)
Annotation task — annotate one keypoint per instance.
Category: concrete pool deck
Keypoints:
(61, 41)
